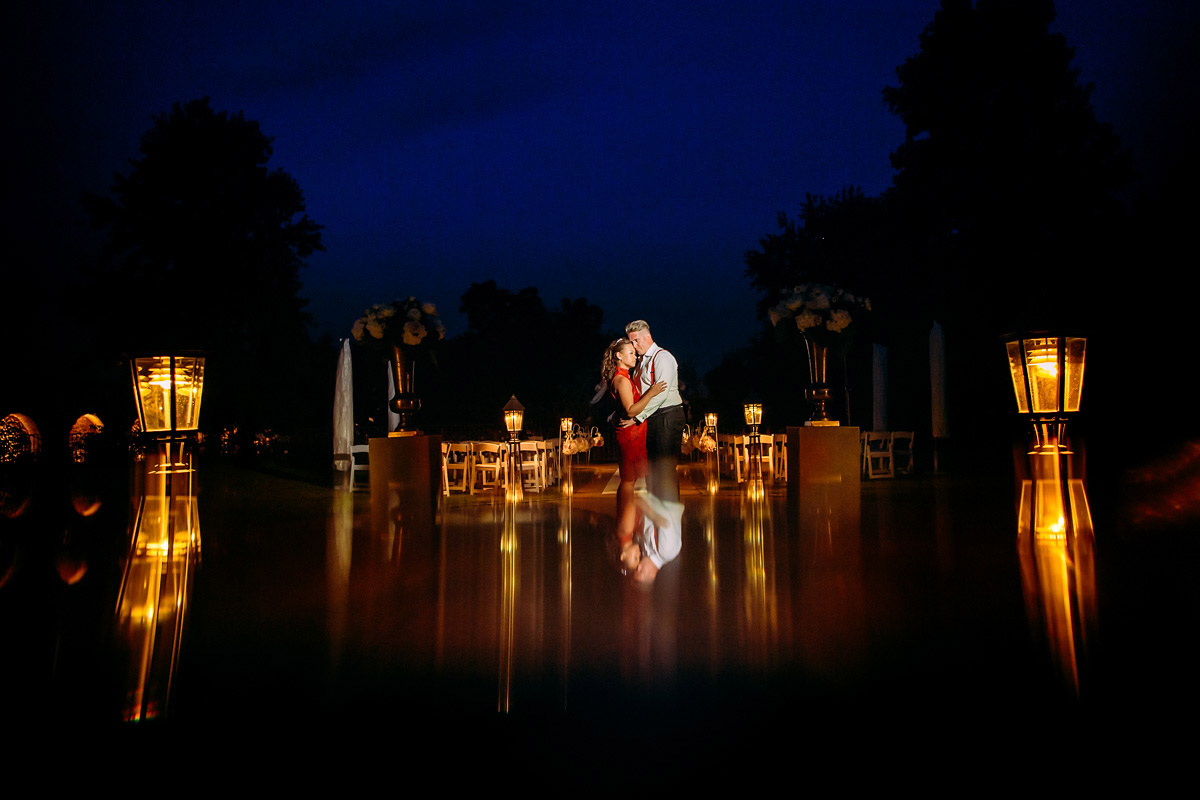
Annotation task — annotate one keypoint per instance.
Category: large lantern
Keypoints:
(1047, 376)
(168, 390)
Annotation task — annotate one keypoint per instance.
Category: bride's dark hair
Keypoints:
(608, 365)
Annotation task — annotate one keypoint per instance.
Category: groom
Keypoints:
(663, 415)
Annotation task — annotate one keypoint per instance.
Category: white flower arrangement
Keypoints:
(406, 323)
(818, 310)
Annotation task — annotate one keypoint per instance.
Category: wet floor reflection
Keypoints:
(1056, 541)
(334, 602)
(156, 587)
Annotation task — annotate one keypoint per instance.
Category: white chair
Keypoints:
(730, 449)
(877, 454)
(902, 452)
(533, 468)
(456, 467)
(488, 463)
(779, 457)
(549, 462)
(360, 457)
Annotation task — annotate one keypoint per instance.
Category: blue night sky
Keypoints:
(629, 153)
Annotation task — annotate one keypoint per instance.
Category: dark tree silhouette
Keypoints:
(1003, 212)
(550, 359)
(204, 247)
(1006, 192)
(849, 240)
(1005, 179)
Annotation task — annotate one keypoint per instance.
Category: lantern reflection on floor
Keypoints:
(1056, 542)
(157, 580)
(759, 602)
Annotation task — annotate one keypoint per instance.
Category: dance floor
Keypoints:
(912, 623)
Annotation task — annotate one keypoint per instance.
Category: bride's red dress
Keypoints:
(631, 440)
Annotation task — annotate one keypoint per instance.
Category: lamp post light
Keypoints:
(753, 412)
(514, 417)
(1047, 376)
(565, 426)
(714, 473)
(168, 390)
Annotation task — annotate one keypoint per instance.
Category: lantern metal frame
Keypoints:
(714, 478)
(753, 413)
(566, 429)
(514, 419)
(173, 365)
(1069, 360)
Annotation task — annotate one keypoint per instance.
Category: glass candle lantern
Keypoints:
(168, 390)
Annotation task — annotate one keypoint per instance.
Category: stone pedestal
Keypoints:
(825, 475)
(406, 481)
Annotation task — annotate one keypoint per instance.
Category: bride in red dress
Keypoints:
(619, 358)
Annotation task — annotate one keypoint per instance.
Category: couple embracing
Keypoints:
(643, 380)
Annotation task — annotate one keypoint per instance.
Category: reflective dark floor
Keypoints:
(922, 613)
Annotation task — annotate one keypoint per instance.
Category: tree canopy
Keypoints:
(549, 358)
(203, 249)
(1003, 205)
(1005, 177)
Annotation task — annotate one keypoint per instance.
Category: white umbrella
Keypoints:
(343, 409)
(393, 417)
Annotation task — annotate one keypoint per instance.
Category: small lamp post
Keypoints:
(714, 476)
(565, 426)
(514, 417)
(753, 412)
(168, 390)
(1047, 377)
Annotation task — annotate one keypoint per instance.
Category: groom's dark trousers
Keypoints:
(664, 439)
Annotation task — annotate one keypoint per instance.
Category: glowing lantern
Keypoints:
(168, 390)
(753, 414)
(1047, 377)
(514, 417)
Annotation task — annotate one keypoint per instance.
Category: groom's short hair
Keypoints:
(637, 325)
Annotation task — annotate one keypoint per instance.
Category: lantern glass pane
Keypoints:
(1041, 363)
(1075, 347)
(152, 376)
(189, 384)
(1018, 376)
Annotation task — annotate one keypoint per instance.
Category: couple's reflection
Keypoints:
(647, 542)
(648, 535)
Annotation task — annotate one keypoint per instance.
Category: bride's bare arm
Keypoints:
(625, 392)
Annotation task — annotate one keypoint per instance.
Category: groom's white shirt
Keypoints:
(665, 369)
